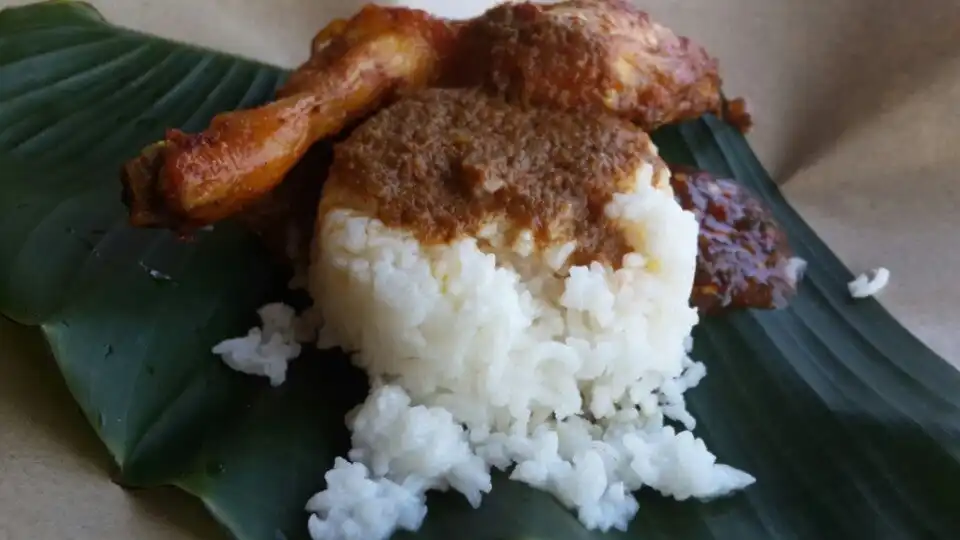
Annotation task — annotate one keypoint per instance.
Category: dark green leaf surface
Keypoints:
(130, 314)
(298, 429)
(851, 426)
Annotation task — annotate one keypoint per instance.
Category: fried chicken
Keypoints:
(188, 181)
(597, 56)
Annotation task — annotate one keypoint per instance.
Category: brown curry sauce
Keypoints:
(441, 162)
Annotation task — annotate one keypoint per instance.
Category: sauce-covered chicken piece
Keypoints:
(598, 56)
(744, 260)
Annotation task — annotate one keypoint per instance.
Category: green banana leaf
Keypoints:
(850, 424)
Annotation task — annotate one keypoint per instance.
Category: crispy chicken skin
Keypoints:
(189, 181)
(602, 56)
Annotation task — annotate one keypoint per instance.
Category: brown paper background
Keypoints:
(857, 112)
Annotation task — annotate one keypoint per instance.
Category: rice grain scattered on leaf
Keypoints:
(266, 350)
(869, 283)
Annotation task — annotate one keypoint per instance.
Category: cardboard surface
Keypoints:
(855, 103)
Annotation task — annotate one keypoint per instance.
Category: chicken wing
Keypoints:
(602, 56)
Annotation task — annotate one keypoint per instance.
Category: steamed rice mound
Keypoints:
(516, 284)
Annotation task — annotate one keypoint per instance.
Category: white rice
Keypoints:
(869, 284)
(360, 508)
(484, 354)
(796, 267)
(267, 350)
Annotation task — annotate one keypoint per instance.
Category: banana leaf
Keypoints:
(849, 423)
